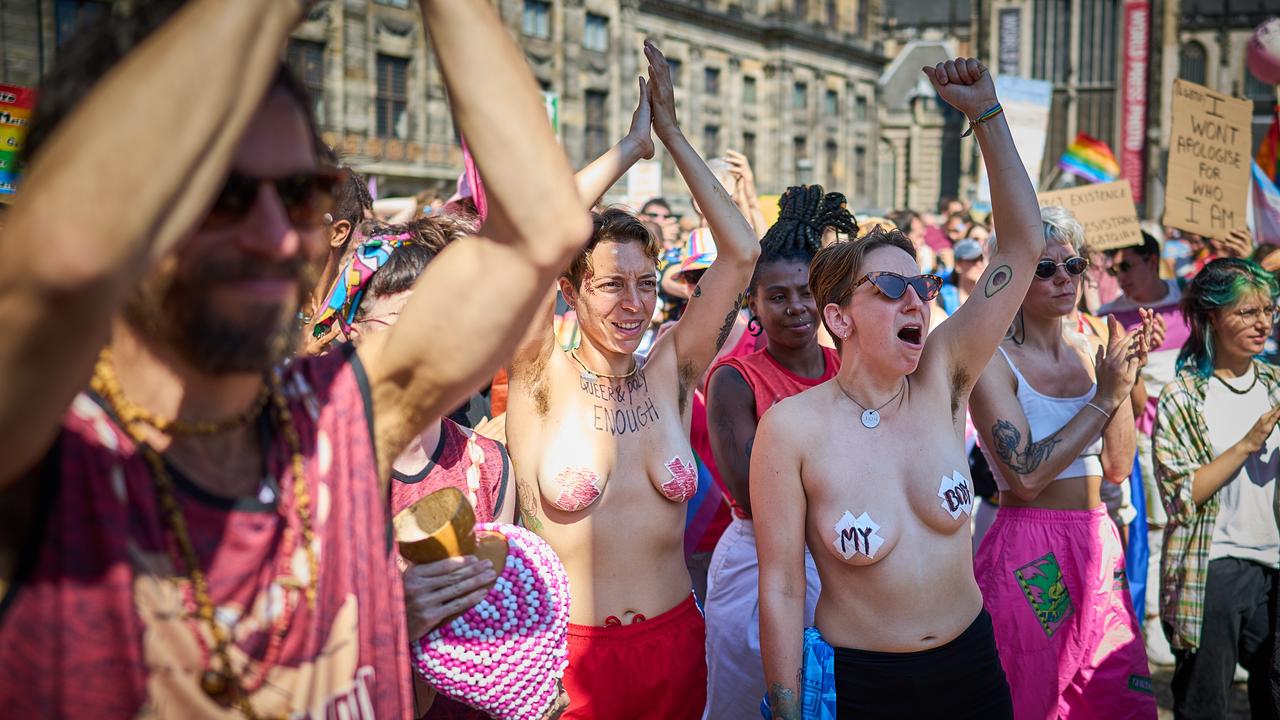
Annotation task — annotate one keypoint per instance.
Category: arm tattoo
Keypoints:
(783, 702)
(528, 507)
(697, 291)
(1007, 438)
(998, 280)
(728, 322)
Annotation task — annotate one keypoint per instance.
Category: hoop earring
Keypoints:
(754, 327)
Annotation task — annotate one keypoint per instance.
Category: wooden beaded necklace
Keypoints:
(220, 682)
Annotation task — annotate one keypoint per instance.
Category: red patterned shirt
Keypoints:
(97, 623)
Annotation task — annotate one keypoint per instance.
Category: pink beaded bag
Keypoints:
(505, 656)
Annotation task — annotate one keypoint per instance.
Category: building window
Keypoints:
(749, 146)
(833, 14)
(711, 140)
(800, 148)
(801, 9)
(537, 18)
(1191, 62)
(306, 59)
(1258, 91)
(800, 96)
(860, 171)
(831, 154)
(860, 108)
(395, 3)
(70, 14)
(711, 80)
(831, 103)
(393, 97)
(748, 90)
(596, 34)
(597, 132)
(675, 66)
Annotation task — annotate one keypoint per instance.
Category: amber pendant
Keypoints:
(217, 685)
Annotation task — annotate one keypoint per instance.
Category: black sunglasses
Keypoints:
(306, 197)
(894, 285)
(1046, 269)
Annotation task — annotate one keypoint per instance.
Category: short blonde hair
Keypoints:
(1061, 226)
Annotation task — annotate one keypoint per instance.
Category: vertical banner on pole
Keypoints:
(16, 103)
(1133, 108)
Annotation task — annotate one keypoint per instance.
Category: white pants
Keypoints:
(735, 673)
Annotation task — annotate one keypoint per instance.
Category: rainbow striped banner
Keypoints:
(16, 103)
(1091, 159)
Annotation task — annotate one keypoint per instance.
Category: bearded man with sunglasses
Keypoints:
(203, 532)
(870, 470)
(1137, 270)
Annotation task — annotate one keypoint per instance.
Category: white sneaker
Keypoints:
(1158, 651)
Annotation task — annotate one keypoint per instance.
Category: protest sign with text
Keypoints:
(1105, 210)
(1208, 174)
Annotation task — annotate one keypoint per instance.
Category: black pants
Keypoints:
(962, 679)
(1239, 627)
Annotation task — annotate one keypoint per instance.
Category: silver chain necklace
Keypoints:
(871, 416)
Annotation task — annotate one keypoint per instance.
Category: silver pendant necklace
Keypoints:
(871, 416)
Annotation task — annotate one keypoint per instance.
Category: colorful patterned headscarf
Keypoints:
(349, 287)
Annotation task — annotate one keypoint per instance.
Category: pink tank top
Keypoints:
(463, 459)
(97, 623)
(770, 382)
(479, 468)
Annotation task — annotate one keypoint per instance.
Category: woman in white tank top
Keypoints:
(1051, 568)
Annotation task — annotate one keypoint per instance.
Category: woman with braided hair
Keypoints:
(740, 389)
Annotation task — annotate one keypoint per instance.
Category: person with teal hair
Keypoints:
(1217, 454)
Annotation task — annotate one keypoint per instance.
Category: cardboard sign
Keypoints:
(1105, 210)
(1209, 161)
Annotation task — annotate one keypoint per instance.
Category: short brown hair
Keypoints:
(611, 225)
(835, 267)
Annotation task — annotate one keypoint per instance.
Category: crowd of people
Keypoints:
(229, 368)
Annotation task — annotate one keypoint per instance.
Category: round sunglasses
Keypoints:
(892, 285)
(1075, 266)
(306, 197)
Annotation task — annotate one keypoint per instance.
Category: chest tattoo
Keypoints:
(955, 496)
(857, 536)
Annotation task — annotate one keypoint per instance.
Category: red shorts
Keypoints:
(655, 668)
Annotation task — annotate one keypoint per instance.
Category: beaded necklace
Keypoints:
(220, 682)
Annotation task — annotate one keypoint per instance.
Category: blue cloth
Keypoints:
(1138, 553)
(949, 296)
(818, 694)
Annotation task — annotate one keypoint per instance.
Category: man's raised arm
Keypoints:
(111, 188)
(476, 300)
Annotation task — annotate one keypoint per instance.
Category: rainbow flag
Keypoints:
(1091, 159)
(1268, 156)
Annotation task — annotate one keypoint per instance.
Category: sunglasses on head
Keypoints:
(306, 196)
(893, 285)
(1075, 266)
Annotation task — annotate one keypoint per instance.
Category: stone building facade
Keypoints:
(793, 84)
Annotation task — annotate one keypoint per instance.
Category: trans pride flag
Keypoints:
(1091, 159)
(1264, 201)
